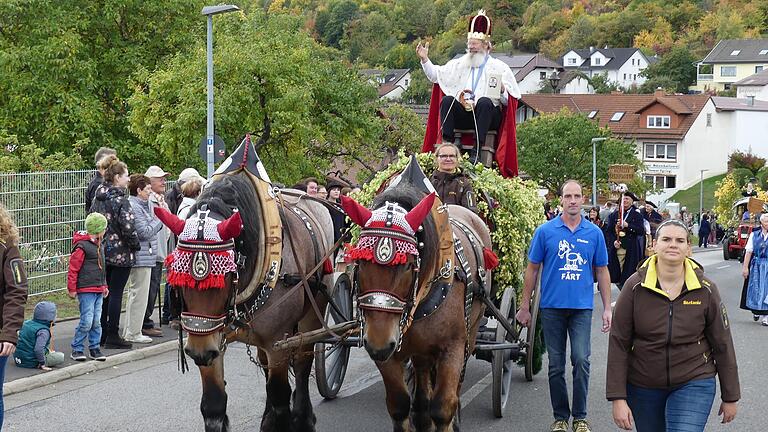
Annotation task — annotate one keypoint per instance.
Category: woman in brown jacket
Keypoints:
(669, 338)
(13, 283)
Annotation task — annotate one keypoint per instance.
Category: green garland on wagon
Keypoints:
(519, 211)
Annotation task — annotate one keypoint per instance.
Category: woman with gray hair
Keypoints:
(754, 295)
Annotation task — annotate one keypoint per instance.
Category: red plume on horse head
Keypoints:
(231, 227)
(355, 211)
(416, 216)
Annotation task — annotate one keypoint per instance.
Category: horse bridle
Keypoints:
(382, 300)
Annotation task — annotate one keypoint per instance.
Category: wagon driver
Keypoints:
(477, 87)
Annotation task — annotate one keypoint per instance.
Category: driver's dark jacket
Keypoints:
(660, 343)
(454, 188)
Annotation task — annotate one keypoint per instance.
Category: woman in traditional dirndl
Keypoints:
(754, 296)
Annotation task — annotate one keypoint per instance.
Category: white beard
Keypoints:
(473, 59)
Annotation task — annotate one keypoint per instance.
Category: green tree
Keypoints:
(602, 84)
(679, 66)
(368, 39)
(64, 67)
(558, 147)
(300, 100)
(331, 22)
(420, 89)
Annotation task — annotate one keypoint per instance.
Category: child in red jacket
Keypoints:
(87, 279)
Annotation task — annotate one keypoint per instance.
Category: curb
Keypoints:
(29, 383)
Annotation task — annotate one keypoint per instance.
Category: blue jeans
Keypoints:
(558, 325)
(90, 321)
(684, 408)
(3, 361)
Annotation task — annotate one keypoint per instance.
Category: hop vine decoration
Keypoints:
(516, 213)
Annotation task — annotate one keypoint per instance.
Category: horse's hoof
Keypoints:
(217, 424)
(303, 424)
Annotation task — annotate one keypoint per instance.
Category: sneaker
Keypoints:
(96, 354)
(755, 317)
(581, 426)
(78, 356)
(764, 321)
(559, 426)
(140, 339)
(153, 332)
(116, 342)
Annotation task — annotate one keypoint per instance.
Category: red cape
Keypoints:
(506, 149)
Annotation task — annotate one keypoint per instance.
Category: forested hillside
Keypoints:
(79, 74)
(382, 33)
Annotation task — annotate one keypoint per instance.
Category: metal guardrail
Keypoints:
(47, 207)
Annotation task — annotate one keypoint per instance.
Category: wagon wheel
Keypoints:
(331, 364)
(501, 364)
(530, 335)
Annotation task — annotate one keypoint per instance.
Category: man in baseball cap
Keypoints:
(156, 171)
(156, 199)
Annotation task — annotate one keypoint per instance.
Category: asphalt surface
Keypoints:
(151, 395)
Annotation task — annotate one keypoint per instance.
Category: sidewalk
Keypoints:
(19, 379)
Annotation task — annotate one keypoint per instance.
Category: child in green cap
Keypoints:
(87, 279)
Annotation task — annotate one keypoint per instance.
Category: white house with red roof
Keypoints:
(677, 136)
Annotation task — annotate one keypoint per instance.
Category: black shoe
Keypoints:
(96, 354)
(78, 356)
(116, 342)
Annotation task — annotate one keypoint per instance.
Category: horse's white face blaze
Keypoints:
(203, 349)
(381, 333)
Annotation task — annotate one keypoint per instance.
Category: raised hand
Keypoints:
(423, 51)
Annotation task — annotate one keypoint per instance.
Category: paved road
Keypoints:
(150, 395)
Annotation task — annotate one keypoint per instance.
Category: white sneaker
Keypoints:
(140, 339)
(764, 321)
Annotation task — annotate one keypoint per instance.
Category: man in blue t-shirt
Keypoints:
(571, 251)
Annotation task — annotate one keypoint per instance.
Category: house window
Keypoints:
(660, 151)
(597, 60)
(407, 82)
(617, 116)
(572, 61)
(658, 121)
(625, 77)
(709, 120)
(633, 62)
(728, 71)
(735, 52)
(727, 86)
(542, 75)
(592, 114)
(763, 52)
(758, 69)
(661, 181)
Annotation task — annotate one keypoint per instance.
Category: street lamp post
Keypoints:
(209, 12)
(594, 168)
(701, 192)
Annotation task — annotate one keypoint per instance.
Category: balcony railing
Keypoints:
(705, 77)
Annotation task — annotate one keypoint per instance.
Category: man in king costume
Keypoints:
(475, 91)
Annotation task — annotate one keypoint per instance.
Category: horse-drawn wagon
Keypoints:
(414, 295)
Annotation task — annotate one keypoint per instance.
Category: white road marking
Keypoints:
(476, 389)
(725, 266)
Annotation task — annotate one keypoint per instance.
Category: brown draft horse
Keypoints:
(391, 290)
(209, 315)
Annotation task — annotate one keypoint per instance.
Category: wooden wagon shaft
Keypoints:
(313, 336)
